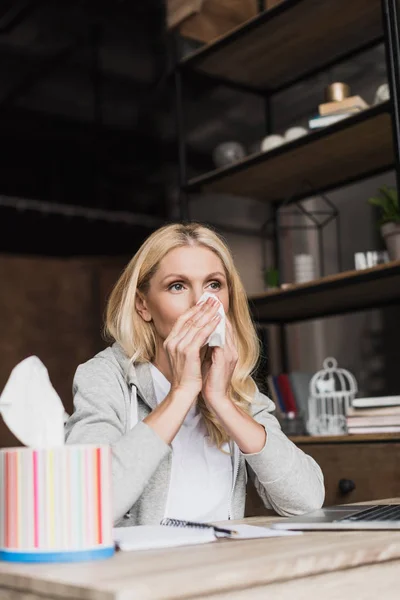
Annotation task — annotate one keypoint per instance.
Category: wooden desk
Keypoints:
(357, 565)
(368, 462)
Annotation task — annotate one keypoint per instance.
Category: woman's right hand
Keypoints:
(184, 343)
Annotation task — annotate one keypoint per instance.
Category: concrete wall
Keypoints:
(243, 213)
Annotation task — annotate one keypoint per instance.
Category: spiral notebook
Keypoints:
(174, 532)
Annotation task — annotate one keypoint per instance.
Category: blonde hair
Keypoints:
(138, 338)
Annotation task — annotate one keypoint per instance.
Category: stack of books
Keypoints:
(290, 393)
(374, 415)
(332, 112)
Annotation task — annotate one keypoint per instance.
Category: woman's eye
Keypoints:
(215, 285)
(176, 287)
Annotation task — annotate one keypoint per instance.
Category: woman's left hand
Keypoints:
(217, 370)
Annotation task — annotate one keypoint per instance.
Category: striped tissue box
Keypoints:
(55, 504)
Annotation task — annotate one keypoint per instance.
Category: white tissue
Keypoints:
(217, 338)
(30, 406)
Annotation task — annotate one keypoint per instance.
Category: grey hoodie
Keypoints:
(287, 479)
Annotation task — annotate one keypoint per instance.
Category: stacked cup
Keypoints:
(304, 269)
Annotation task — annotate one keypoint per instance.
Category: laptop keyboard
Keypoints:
(383, 512)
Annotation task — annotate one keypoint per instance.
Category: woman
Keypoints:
(186, 421)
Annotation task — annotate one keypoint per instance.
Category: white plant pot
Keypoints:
(391, 235)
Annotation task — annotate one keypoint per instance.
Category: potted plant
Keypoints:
(388, 203)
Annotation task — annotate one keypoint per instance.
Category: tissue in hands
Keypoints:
(30, 406)
(217, 338)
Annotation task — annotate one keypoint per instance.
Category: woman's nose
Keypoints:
(197, 295)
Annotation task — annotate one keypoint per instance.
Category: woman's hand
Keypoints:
(217, 371)
(184, 343)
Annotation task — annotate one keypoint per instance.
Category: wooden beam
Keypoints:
(218, 17)
(179, 10)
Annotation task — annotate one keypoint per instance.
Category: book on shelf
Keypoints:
(374, 415)
(287, 393)
(300, 384)
(374, 421)
(276, 394)
(376, 402)
(318, 122)
(383, 429)
(290, 392)
(357, 419)
(355, 103)
(374, 412)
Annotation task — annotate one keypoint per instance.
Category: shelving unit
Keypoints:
(377, 438)
(337, 294)
(281, 47)
(278, 47)
(356, 147)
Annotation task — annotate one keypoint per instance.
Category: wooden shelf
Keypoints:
(345, 439)
(356, 147)
(337, 294)
(287, 42)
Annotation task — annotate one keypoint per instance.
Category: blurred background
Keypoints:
(90, 167)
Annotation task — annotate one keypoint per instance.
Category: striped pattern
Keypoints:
(55, 500)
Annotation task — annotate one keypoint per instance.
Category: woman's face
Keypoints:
(183, 275)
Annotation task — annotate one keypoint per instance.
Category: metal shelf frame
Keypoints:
(391, 40)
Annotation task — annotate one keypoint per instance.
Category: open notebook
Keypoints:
(145, 537)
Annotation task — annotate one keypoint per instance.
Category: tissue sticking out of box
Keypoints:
(30, 406)
(217, 338)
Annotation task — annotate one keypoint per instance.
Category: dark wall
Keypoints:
(53, 308)
(83, 118)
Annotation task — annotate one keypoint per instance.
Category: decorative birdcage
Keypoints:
(331, 393)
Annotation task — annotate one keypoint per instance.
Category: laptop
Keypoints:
(362, 516)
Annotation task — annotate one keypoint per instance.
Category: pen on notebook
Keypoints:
(225, 531)
(181, 523)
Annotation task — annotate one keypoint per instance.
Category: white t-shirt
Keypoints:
(201, 475)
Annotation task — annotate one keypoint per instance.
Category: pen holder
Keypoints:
(55, 504)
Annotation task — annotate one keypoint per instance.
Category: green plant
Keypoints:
(271, 277)
(388, 203)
